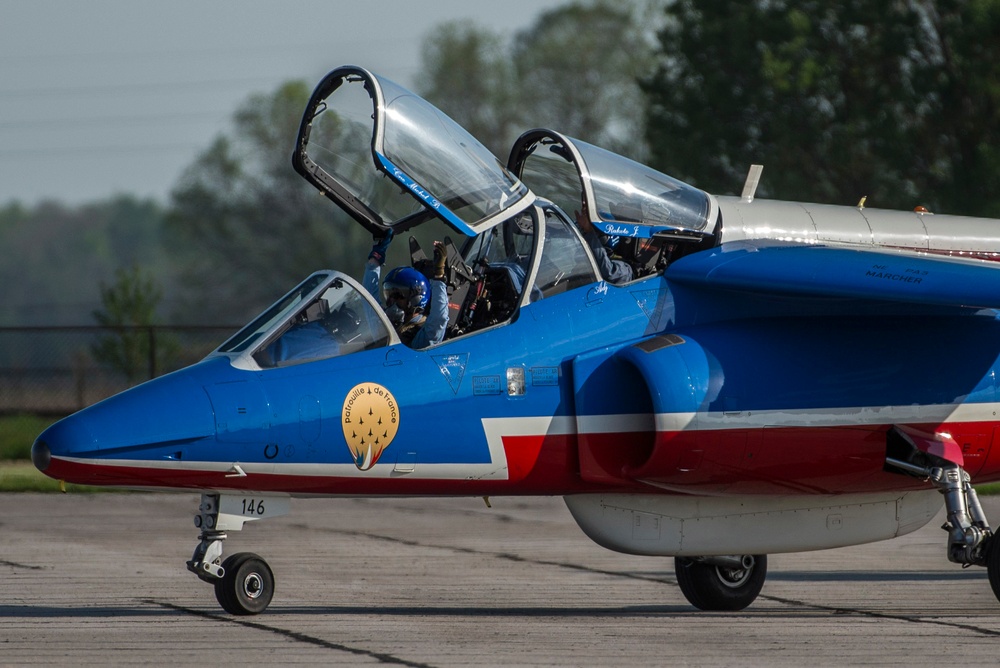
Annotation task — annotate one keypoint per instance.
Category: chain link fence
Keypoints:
(59, 370)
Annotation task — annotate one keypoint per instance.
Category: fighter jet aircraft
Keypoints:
(757, 377)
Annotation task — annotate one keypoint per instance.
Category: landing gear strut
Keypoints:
(969, 532)
(244, 583)
(970, 539)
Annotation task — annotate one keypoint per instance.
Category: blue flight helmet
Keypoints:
(408, 283)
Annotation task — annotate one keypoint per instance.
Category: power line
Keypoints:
(289, 49)
(137, 88)
(87, 151)
(76, 122)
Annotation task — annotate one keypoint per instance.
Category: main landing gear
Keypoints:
(733, 582)
(721, 583)
(970, 539)
(244, 583)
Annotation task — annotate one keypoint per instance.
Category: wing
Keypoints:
(846, 272)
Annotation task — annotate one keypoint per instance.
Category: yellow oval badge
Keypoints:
(370, 419)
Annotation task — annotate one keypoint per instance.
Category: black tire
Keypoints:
(246, 586)
(710, 587)
(993, 565)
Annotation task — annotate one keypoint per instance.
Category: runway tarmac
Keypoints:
(100, 579)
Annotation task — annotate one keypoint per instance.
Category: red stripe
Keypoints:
(774, 460)
(537, 465)
(778, 460)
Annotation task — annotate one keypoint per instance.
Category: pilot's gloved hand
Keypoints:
(380, 248)
(440, 259)
(583, 221)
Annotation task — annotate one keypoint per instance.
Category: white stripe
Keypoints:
(717, 420)
(495, 429)
(382, 470)
(828, 417)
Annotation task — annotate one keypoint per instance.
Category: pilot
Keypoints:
(612, 271)
(417, 305)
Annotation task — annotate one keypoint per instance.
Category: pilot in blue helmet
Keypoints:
(417, 305)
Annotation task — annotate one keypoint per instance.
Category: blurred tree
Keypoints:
(129, 306)
(889, 100)
(574, 70)
(961, 135)
(244, 227)
(55, 256)
(467, 72)
(578, 69)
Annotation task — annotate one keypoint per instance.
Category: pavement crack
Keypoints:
(663, 580)
(14, 564)
(874, 614)
(499, 555)
(381, 657)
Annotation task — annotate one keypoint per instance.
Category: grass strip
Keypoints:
(21, 476)
(18, 432)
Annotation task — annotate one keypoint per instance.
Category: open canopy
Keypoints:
(622, 197)
(391, 159)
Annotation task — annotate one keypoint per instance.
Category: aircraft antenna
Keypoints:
(750, 186)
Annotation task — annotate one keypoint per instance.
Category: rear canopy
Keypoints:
(622, 197)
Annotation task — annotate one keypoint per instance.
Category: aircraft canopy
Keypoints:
(623, 197)
(391, 159)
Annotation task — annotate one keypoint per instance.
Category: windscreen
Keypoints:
(272, 316)
(338, 321)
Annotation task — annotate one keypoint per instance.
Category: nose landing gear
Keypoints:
(244, 583)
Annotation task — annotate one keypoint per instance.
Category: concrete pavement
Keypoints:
(100, 579)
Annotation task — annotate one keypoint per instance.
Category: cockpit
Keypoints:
(327, 315)
(530, 256)
(394, 162)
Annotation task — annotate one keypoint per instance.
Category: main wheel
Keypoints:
(993, 564)
(710, 587)
(246, 586)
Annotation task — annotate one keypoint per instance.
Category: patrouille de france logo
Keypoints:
(370, 419)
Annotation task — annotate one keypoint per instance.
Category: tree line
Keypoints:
(896, 101)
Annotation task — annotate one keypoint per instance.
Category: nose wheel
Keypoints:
(246, 586)
(244, 583)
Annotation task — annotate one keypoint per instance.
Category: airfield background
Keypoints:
(896, 103)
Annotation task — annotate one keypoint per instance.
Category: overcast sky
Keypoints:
(118, 96)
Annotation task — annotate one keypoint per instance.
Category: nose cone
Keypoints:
(137, 427)
(66, 438)
(41, 456)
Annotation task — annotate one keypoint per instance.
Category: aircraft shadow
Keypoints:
(97, 612)
(460, 611)
(877, 576)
